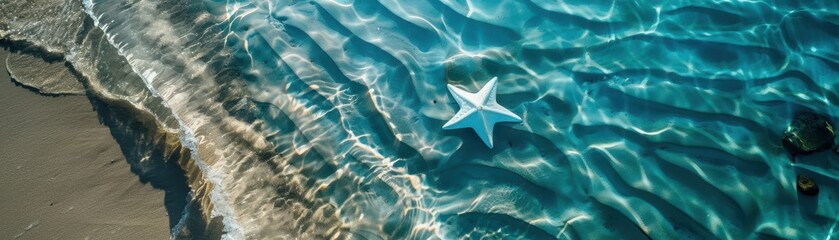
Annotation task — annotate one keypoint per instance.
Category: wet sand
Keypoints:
(63, 176)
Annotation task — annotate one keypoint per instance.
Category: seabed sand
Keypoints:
(63, 176)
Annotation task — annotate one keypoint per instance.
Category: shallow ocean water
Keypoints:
(641, 119)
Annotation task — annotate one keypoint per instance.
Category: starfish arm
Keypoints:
(475, 120)
(487, 138)
(487, 94)
(460, 119)
(500, 114)
(483, 127)
(462, 97)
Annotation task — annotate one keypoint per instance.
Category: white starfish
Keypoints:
(479, 111)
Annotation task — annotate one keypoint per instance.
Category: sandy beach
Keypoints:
(64, 176)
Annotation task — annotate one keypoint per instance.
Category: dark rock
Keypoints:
(806, 186)
(808, 133)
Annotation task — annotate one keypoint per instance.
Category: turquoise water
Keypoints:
(641, 119)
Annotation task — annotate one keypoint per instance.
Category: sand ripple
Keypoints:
(641, 119)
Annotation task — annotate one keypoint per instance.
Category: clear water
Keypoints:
(641, 119)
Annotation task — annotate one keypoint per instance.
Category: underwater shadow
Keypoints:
(154, 156)
(151, 159)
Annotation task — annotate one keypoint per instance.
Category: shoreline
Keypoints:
(66, 176)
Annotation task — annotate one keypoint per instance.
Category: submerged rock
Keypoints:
(806, 186)
(808, 133)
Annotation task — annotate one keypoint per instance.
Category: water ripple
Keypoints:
(641, 119)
